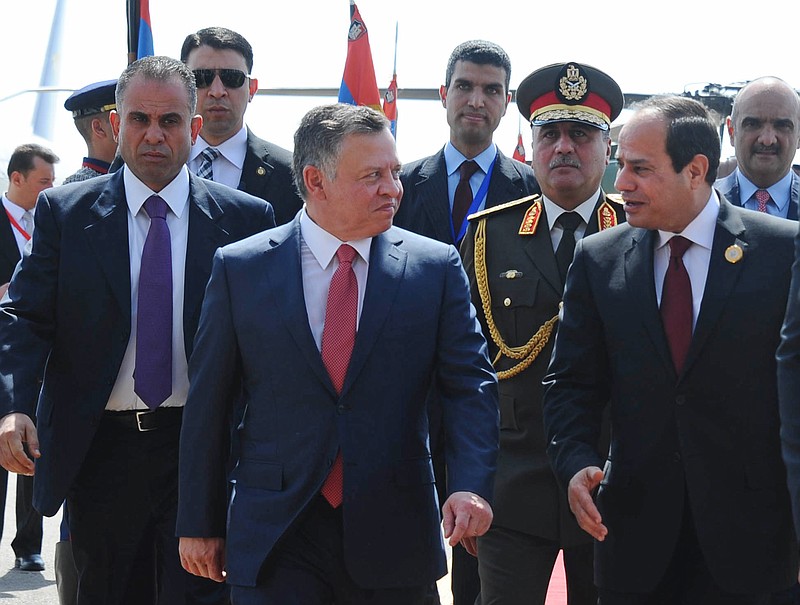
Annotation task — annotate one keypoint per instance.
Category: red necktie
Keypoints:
(762, 197)
(462, 199)
(676, 302)
(338, 338)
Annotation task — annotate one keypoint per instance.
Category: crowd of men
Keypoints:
(248, 375)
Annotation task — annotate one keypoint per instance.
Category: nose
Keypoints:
(623, 182)
(391, 186)
(154, 133)
(564, 144)
(767, 136)
(476, 97)
(217, 88)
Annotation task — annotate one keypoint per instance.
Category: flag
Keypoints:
(519, 150)
(140, 33)
(359, 86)
(390, 104)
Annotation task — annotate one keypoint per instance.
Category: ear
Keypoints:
(314, 180)
(697, 169)
(196, 125)
(17, 178)
(253, 88)
(729, 126)
(97, 128)
(443, 95)
(114, 119)
(608, 150)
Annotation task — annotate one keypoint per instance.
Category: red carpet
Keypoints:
(557, 592)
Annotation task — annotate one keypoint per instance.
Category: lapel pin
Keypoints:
(261, 171)
(733, 254)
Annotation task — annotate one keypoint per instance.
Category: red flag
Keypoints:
(519, 150)
(390, 104)
(359, 86)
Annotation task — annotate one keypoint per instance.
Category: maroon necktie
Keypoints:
(153, 371)
(338, 338)
(762, 197)
(462, 199)
(676, 302)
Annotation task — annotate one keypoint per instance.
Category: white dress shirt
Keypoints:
(227, 167)
(176, 195)
(319, 262)
(696, 258)
(17, 212)
(553, 211)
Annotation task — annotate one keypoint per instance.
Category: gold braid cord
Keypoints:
(528, 352)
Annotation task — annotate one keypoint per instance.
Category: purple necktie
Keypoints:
(153, 373)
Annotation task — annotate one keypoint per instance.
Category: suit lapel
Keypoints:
(722, 277)
(539, 248)
(256, 169)
(284, 280)
(108, 238)
(432, 191)
(505, 184)
(794, 198)
(640, 279)
(8, 241)
(205, 236)
(386, 267)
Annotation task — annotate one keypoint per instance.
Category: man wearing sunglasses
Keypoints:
(227, 151)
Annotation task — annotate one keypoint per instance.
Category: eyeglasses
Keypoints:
(231, 78)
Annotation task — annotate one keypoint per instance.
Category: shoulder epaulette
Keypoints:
(500, 207)
(614, 197)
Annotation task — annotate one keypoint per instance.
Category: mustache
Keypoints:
(757, 148)
(565, 160)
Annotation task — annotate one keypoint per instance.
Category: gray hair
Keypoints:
(161, 69)
(319, 138)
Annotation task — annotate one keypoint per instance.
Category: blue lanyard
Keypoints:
(476, 203)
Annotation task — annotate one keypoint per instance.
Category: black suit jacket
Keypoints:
(68, 313)
(267, 173)
(9, 252)
(709, 434)
(527, 497)
(425, 207)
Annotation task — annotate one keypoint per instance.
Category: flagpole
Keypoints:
(396, 30)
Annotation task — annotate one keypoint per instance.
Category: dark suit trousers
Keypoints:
(28, 539)
(515, 569)
(307, 567)
(687, 580)
(122, 512)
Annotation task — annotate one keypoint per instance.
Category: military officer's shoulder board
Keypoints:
(502, 207)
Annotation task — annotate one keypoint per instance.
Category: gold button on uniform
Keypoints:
(507, 302)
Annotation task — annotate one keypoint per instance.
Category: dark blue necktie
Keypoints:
(153, 373)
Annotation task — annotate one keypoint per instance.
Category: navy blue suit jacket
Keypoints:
(729, 187)
(9, 251)
(68, 317)
(425, 207)
(417, 324)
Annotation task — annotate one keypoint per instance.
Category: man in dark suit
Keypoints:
(764, 129)
(30, 171)
(222, 61)
(475, 95)
(81, 313)
(673, 321)
(516, 256)
(334, 497)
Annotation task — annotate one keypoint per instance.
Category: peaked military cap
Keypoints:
(571, 92)
(92, 99)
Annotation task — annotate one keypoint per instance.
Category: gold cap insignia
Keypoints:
(733, 254)
(572, 85)
(606, 217)
(531, 219)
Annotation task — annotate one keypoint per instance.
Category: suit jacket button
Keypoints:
(680, 399)
(342, 408)
(676, 457)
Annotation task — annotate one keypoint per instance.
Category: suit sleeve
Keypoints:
(577, 383)
(468, 388)
(28, 317)
(788, 358)
(213, 374)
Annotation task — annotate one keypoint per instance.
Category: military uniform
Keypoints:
(94, 99)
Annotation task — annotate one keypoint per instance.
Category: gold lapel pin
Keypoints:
(733, 254)
(261, 171)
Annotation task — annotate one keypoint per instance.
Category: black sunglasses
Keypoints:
(231, 78)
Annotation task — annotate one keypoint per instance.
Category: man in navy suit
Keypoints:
(74, 316)
(672, 322)
(334, 497)
(764, 129)
(222, 61)
(475, 96)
